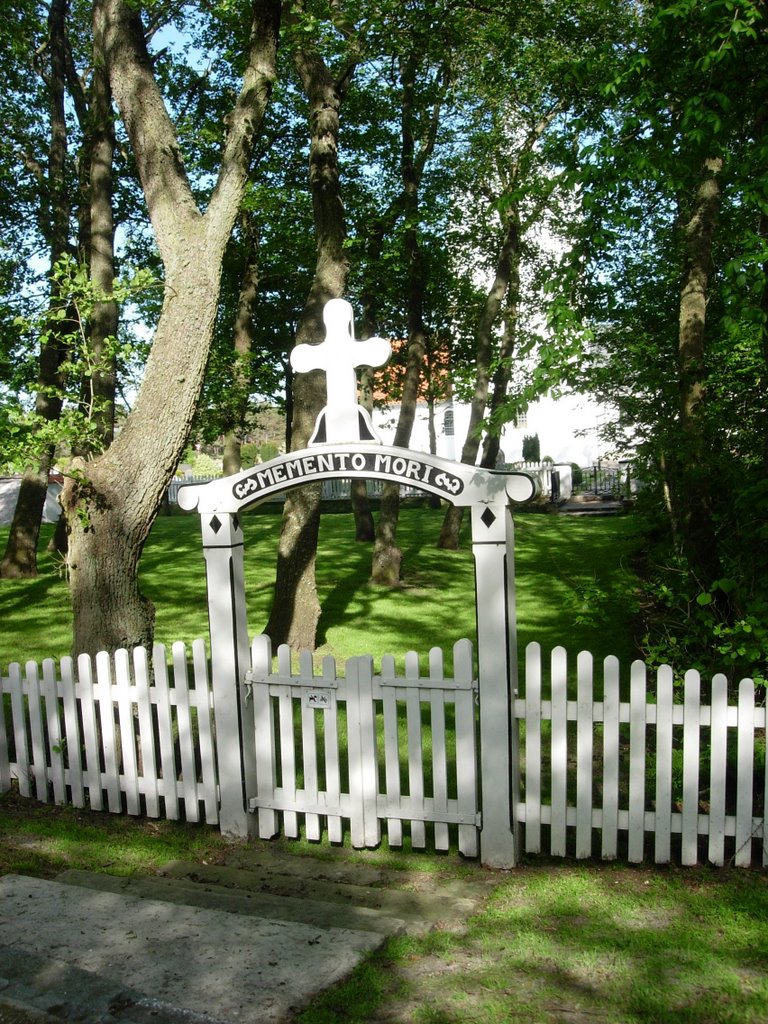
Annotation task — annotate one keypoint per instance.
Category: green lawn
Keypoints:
(574, 587)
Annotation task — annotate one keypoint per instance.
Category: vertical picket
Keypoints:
(148, 784)
(72, 733)
(207, 790)
(127, 731)
(264, 733)
(466, 746)
(184, 726)
(56, 744)
(391, 748)
(108, 733)
(439, 749)
(165, 730)
(745, 766)
(354, 750)
(691, 760)
(663, 811)
(637, 717)
(37, 735)
(718, 740)
(415, 748)
(559, 752)
(369, 759)
(91, 739)
(309, 748)
(533, 748)
(287, 741)
(21, 741)
(5, 762)
(331, 751)
(584, 758)
(611, 712)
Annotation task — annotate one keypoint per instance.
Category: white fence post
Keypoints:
(223, 550)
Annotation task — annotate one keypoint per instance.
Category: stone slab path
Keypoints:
(206, 944)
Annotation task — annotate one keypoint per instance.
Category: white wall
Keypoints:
(9, 492)
(567, 429)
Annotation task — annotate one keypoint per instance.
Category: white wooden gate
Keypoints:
(365, 748)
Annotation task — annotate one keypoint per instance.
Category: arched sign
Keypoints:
(345, 446)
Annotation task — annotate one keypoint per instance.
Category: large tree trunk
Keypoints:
(295, 609)
(20, 557)
(694, 476)
(449, 533)
(365, 528)
(97, 244)
(111, 501)
(387, 556)
(243, 347)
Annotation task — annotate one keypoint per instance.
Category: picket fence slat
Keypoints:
(745, 762)
(653, 747)
(664, 739)
(611, 711)
(718, 742)
(559, 752)
(584, 759)
(533, 714)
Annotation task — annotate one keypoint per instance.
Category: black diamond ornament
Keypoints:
(488, 518)
(215, 524)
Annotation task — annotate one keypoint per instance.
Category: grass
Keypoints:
(574, 587)
(555, 943)
(579, 944)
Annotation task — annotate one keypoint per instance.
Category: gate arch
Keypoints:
(345, 445)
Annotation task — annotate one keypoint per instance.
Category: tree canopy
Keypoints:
(549, 196)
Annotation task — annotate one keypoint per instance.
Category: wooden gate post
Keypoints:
(493, 550)
(235, 759)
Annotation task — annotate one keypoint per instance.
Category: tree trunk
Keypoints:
(295, 610)
(243, 347)
(365, 528)
(111, 501)
(695, 479)
(20, 557)
(387, 556)
(449, 533)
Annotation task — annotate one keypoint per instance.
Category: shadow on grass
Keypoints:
(557, 944)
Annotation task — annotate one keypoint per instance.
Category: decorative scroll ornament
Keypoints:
(342, 419)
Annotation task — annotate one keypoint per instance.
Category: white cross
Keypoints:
(339, 355)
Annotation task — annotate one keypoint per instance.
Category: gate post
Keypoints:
(235, 744)
(493, 550)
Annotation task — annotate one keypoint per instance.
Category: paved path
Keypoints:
(199, 944)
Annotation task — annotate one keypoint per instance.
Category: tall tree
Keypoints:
(110, 501)
(295, 609)
(20, 557)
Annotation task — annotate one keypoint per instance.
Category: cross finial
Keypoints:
(339, 355)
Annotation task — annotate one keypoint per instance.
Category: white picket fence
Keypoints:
(646, 777)
(600, 770)
(356, 746)
(133, 735)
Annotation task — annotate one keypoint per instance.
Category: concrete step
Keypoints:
(94, 956)
(418, 901)
(190, 889)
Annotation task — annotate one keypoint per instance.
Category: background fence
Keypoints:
(634, 768)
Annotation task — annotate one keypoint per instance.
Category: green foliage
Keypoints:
(24, 432)
(531, 448)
